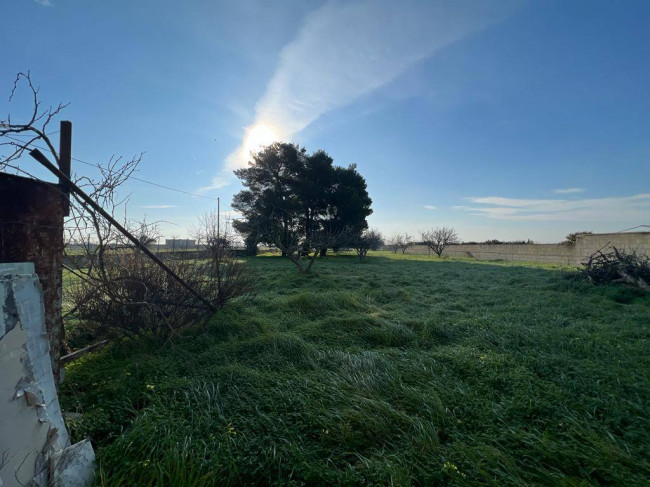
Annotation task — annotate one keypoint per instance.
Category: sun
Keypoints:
(258, 136)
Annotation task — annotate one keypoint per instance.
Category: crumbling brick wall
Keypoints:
(31, 230)
(35, 447)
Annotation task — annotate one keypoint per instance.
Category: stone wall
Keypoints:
(566, 254)
(551, 253)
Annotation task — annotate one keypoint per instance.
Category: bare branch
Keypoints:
(35, 126)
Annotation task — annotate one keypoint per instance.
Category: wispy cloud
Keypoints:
(569, 190)
(347, 49)
(217, 182)
(623, 208)
(429, 207)
(231, 214)
(159, 207)
(44, 3)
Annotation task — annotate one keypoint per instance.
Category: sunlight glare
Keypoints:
(259, 136)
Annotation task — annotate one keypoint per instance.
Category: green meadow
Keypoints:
(399, 370)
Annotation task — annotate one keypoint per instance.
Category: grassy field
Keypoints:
(395, 371)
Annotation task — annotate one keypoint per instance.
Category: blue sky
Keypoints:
(509, 119)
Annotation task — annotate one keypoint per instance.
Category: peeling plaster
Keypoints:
(32, 431)
(69, 468)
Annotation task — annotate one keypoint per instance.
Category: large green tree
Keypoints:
(300, 202)
(269, 203)
(350, 205)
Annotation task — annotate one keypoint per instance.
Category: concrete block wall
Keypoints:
(548, 253)
(564, 254)
(638, 242)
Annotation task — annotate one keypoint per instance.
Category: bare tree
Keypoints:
(231, 277)
(437, 239)
(212, 235)
(367, 240)
(392, 243)
(401, 242)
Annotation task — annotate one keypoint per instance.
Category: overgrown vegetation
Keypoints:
(117, 291)
(398, 369)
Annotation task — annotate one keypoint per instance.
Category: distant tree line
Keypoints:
(494, 241)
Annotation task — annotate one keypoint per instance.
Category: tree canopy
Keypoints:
(300, 202)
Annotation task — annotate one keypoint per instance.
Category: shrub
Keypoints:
(573, 237)
(131, 296)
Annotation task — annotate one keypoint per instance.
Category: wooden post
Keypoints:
(65, 161)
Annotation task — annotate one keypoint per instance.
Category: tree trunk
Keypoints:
(323, 252)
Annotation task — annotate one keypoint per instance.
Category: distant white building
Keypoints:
(180, 243)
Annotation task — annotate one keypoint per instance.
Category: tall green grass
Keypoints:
(399, 370)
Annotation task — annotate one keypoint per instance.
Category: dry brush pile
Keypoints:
(618, 266)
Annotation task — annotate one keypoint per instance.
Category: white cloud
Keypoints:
(44, 3)
(217, 182)
(429, 207)
(232, 214)
(619, 209)
(159, 207)
(347, 49)
(569, 190)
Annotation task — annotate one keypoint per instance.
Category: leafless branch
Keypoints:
(34, 126)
